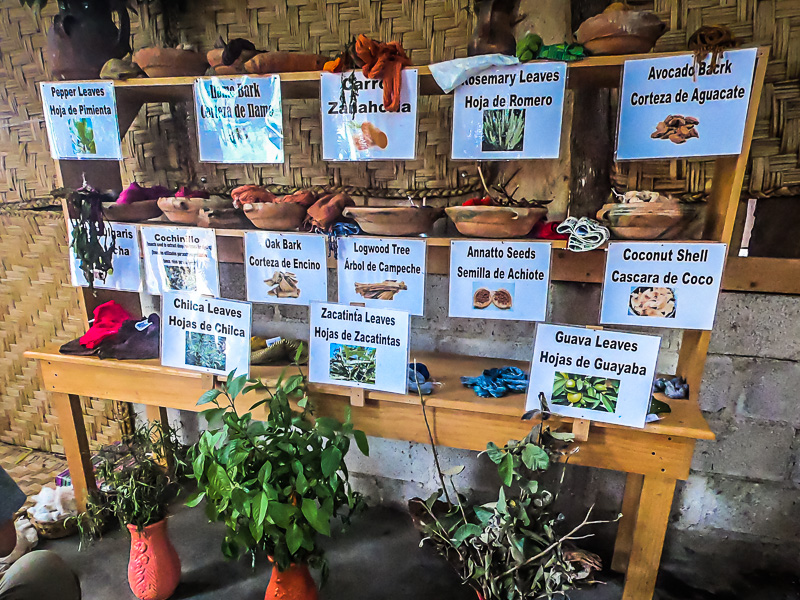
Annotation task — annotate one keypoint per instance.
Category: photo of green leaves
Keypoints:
(503, 130)
(205, 350)
(353, 363)
(585, 391)
(82, 135)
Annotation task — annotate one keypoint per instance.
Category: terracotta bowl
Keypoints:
(620, 32)
(280, 216)
(495, 221)
(170, 62)
(222, 218)
(187, 210)
(134, 212)
(394, 220)
(649, 220)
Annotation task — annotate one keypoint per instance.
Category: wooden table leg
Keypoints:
(76, 445)
(630, 506)
(648, 537)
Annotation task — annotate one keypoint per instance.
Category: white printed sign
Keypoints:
(126, 272)
(81, 119)
(239, 119)
(599, 375)
(382, 273)
(180, 259)
(499, 280)
(672, 107)
(286, 268)
(205, 334)
(365, 130)
(359, 347)
(655, 284)
(510, 112)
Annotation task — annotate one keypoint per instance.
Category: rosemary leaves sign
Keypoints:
(510, 112)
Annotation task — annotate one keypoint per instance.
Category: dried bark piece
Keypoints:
(380, 291)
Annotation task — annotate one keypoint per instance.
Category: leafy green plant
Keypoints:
(353, 363)
(503, 130)
(511, 548)
(93, 240)
(206, 350)
(585, 391)
(276, 484)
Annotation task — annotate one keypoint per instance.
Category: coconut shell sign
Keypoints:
(676, 106)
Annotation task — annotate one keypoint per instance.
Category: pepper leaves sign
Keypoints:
(673, 107)
(593, 374)
(355, 124)
(510, 112)
(673, 285)
(359, 347)
(205, 334)
(239, 119)
(81, 120)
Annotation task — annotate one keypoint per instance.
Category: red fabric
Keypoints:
(546, 230)
(108, 318)
(486, 201)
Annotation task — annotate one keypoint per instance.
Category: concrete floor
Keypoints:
(378, 558)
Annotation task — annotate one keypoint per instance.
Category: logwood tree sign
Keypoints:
(674, 106)
(598, 375)
(510, 112)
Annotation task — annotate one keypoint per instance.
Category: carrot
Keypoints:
(283, 62)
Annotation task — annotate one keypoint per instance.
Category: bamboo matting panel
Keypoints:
(774, 158)
(31, 469)
(38, 306)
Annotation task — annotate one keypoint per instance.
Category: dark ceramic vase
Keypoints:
(494, 32)
(83, 37)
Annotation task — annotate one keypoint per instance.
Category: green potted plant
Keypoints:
(139, 480)
(276, 484)
(512, 548)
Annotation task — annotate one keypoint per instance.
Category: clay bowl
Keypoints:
(134, 212)
(648, 220)
(186, 211)
(495, 221)
(222, 218)
(170, 62)
(275, 216)
(394, 220)
(620, 32)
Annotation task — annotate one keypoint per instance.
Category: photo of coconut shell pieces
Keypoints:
(584, 391)
(652, 302)
(483, 297)
(503, 130)
(353, 363)
(677, 129)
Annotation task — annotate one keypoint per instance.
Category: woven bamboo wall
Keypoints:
(38, 307)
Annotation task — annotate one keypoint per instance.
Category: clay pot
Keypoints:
(394, 220)
(281, 216)
(495, 221)
(222, 218)
(187, 210)
(170, 62)
(648, 220)
(83, 37)
(293, 584)
(494, 31)
(134, 212)
(154, 569)
(620, 32)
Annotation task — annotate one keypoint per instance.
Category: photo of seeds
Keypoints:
(285, 285)
(353, 363)
(652, 302)
(502, 299)
(380, 291)
(82, 136)
(677, 129)
(206, 350)
(503, 130)
(585, 391)
(483, 297)
(181, 278)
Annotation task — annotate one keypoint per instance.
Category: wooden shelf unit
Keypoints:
(654, 457)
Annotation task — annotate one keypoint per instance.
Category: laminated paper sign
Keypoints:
(180, 259)
(499, 280)
(382, 273)
(239, 119)
(663, 284)
(510, 112)
(672, 107)
(593, 374)
(360, 128)
(126, 270)
(81, 120)
(286, 268)
(359, 347)
(205, 334)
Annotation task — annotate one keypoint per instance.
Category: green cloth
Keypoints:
(11, 497)
(531, 47)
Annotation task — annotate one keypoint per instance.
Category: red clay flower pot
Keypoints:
(293, 584)
(154, 569)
